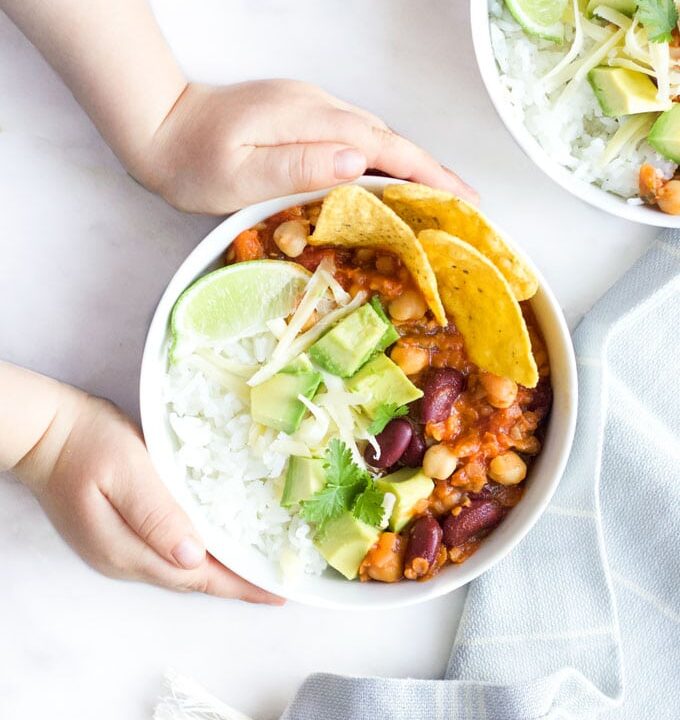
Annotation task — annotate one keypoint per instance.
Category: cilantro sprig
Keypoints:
(348, 487)
(658, 17)
(384, 413)
(368, 506)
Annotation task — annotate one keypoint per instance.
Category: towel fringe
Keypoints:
(185, 699)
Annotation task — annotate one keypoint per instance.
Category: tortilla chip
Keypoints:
(353, 217)
(481, 303)
(423, 208)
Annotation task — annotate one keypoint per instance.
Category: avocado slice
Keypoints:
(275, 403)
(391, 335)
(383, 382)
(624, 92)
(627, 7)
(347, 346)
(664, 136)
(304, 477)
(409, 486)
(301, 364)
(345, 542)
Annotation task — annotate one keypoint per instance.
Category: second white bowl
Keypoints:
(481, 37)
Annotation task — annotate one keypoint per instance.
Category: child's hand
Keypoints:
(210, 149)
(221, 148)
(92, 474)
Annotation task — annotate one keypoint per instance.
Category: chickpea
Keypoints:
(408, 306)
(291, 237)
(364, 254)
(668, 198)
(313, 212)
(385, 264)
(500, 392)
(507, 469)
(439, 462)
(410, 358)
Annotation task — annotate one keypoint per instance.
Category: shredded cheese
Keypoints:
(314, 429)
(629, 129)
(336, 401)
(660, 58)
(301, 343)
(316, 288)
(576, 46)
(613, 16)
(287, 446)
(634, 41)
(227, 380)
(578, 74)
(277, 327)
(233, 367)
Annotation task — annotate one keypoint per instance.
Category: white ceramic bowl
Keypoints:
(330, 590)
(479, 20)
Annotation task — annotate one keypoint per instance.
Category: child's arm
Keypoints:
(87, 465)
(209, 149)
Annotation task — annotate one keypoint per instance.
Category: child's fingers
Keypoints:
(109, 544)
(148, 508)
(213, 578)
(301, 167)
(400, 158)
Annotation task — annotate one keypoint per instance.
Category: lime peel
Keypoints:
(234, 302)
(542, 18)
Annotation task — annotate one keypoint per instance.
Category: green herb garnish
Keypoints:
(368, 507)
(658, 17)
(348, 487)
(385, 413)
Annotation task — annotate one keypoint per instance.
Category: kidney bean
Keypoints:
(442, 387)
(424, 543)
(392, 441)
(480, 515)
(413, 455)
(542, 399)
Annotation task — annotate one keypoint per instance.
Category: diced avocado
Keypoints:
(345, 542)
(409, 486)
(304, 477)
(383, 382)
(627, 7)
(624, 92)
(664, 136)
(275, 403)
(301, 364)
(391, 335)
(345, 348)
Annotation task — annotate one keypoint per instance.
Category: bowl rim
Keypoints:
(588, 192)
(471, 569)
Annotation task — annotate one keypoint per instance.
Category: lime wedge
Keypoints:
(234, 302)
(540, 17)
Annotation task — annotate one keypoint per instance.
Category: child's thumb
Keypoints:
(300, 167)
(148, 508)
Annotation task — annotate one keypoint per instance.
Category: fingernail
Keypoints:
(462, 189)
(189, 553)
(349, 163)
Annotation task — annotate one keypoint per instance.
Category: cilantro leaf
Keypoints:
(345, 480)
(368, 506)
(659, 17)
(385, 413)
(340, 466)
(329, 503)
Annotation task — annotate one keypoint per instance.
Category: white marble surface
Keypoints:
(84, 255)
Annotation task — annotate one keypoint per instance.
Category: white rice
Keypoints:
(229, 463)
(573, 133)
